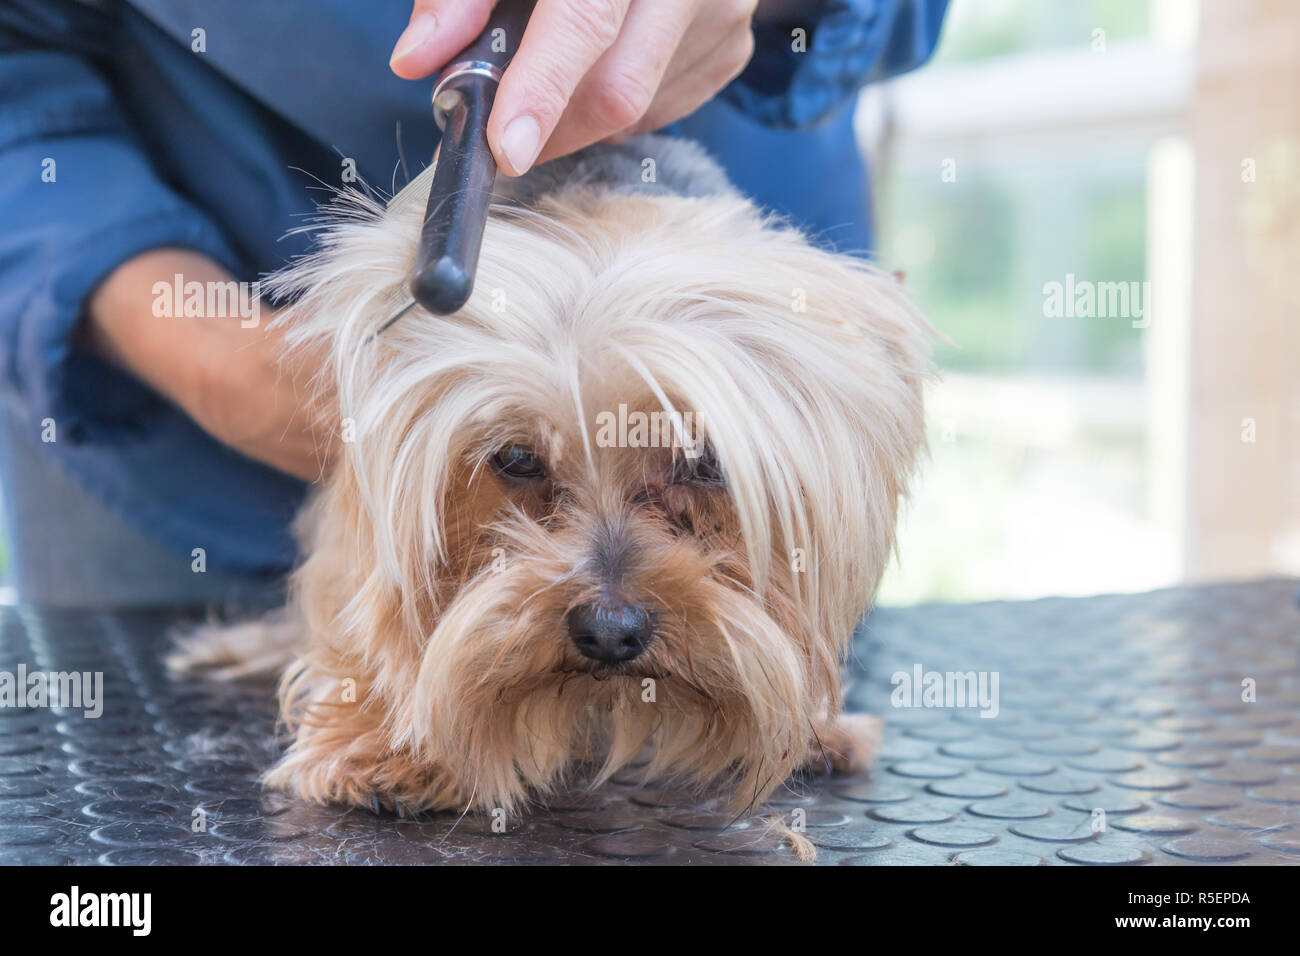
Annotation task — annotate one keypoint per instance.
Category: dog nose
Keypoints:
(610, 632)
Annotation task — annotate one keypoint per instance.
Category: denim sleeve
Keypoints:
(797, 79)
(78, 197)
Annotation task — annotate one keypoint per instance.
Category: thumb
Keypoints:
(437, 31)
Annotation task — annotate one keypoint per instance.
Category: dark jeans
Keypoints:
(67, 549)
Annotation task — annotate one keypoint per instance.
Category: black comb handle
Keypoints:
(462, 182)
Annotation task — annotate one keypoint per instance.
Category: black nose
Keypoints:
(610, 631)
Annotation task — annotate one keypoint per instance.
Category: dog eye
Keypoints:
(701, 470)
(518, 463)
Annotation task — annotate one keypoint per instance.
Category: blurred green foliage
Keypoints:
(995, 237)
(995, 513)
(982, 29)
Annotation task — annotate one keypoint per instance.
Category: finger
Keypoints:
(623, 83)
(437, 31)
(686, 91)
(564, 38)
(696, 48)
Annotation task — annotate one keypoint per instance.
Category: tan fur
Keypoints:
(434, 667)
(234, 651)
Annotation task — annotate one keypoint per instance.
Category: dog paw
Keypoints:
(382, 806)
(326, 769)
(847, 744)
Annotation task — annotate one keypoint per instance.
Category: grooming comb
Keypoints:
(464, 170)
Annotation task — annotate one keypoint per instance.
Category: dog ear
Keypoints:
(861, 299)
(854, 354)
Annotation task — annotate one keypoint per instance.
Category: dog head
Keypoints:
(637, 492)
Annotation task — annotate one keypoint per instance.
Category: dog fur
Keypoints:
(430, 662)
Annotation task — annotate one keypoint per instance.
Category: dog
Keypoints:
(627, 505)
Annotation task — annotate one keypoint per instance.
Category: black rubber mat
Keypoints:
(1125, 735)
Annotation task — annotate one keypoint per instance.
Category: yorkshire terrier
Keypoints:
(626, 505)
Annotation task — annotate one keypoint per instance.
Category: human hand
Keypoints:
(588, 70)
(233, 378)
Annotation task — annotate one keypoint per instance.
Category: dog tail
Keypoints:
(253, 649)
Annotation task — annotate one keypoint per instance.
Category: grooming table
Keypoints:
(1131, 705)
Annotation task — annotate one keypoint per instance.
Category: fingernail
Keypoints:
(521, 143)
(417, 32)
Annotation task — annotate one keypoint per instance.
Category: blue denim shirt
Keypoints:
(222, 151)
